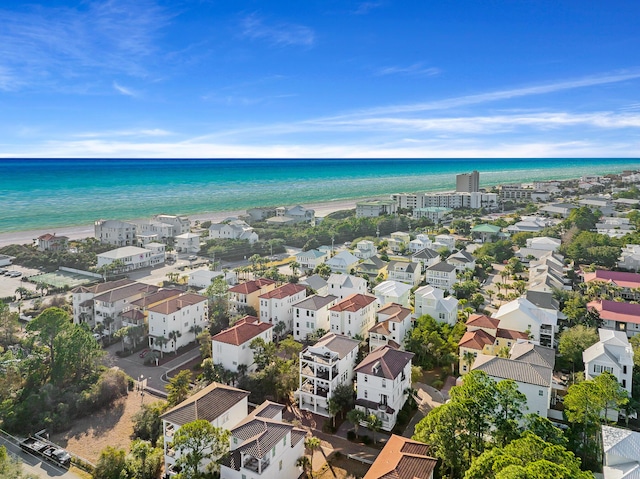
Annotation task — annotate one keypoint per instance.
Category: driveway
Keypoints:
(152, 376)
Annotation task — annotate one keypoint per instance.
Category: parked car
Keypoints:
(15, 274)
(144, 352)
(193, 257)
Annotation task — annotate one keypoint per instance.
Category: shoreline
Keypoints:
(85, 231)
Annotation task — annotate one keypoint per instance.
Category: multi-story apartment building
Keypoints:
(354, 315)
(383, 378)
(109, 306)
(131, 258)
(82, 299)
(374, 208)
(323, 367)
(468, 182)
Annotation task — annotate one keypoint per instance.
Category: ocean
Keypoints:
(52, 193)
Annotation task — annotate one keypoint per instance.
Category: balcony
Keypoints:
(169, 430)
(255, 465)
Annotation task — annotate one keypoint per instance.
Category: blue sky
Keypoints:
(445, 78)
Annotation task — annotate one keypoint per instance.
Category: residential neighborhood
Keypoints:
(377, 336)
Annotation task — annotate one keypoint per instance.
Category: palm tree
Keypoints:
(279, 328)
(173, 336)
(374, 423)
(305, 464)
(161, 341)
(242, 370)
(195, 329)
(108, 321)
(294, 266)
(22, 292)
(468, 357)
(355, 417)
(311, 444)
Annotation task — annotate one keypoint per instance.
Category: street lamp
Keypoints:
(141, 385)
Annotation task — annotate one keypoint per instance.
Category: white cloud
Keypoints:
(417, 69)
(124, 90)
(280, 34)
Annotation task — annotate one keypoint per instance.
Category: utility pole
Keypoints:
(332, 238)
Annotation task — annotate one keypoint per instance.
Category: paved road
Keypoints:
(36, 466)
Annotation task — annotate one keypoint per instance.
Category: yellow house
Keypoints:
(248, 294)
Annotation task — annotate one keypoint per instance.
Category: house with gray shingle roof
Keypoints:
(382, 378)
(531, 375)
(311, 314)
(262, 446)
(405, 272)
(441, 275)
(221, 405)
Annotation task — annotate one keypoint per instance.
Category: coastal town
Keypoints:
(456, 334)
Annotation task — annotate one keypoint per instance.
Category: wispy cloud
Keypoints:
(498, 95)
(50, 46)
(417, 69)
(152, 132)
(124, 90)
(365, 7)
(279, 34)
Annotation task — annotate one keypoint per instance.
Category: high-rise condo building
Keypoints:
(468, 182)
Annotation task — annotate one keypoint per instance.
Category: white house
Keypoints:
(524, 316)
(223, 406)
(374, 208)
(354, 315)
(187, 243)
(421, 242)
(630, 258)
(277, 305)
(109, 306)
(383, 378)
(613, 354)
(432, 301)
(392, 292)
(343, 285)
(618, 315)
(115, 232)
(533, 380)
(202, 278)
(344, 262)
(180, 223)
(409, 273)
(463, 261)
(323, 367)
(174, 323)
(441, 275)
(230, 348)
(131, 258)
(295, 214)
(544, 243)
(447, 241)
(620, 447)
(247, 294)
(365, 249)
(235, 229)
(394, 322)
(427, 257)
(311, 314)
(263, 446)
(311, 259)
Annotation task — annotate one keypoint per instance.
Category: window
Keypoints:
(624, 369)
(366, 379)
(384, 383)
(540, 392)
(280, 465)
(366, 395)
(273, 451)
(284, 441)
(624, 383)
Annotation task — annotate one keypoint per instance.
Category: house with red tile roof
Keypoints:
(403, 458)
(277, 305)
(230, 348)
(618, 316)
(51, 242)
(394, 322)
(248, 294)
(354, 315)
(628, 282)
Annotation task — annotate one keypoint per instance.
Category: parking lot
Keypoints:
(8, 285)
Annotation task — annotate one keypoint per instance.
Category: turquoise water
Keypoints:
(38, 194)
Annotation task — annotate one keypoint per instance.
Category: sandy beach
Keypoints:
(85, 231)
